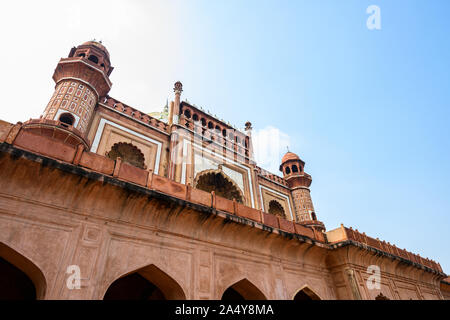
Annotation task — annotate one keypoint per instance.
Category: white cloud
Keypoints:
(269, 146)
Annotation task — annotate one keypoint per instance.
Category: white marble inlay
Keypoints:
(278, 193)
(183, 172)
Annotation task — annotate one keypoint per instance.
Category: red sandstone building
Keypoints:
(171, 206)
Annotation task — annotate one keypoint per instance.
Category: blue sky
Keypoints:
(367, 110)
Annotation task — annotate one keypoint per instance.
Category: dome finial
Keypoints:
(178, 87)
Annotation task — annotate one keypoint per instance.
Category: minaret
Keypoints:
(248, 142)
(82, 79)
(178, 89)
(299, 181)
(175, 148)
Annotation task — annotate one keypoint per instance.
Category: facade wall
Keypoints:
(57, 219)
(105, 216)
(349, 266)
(445, 289)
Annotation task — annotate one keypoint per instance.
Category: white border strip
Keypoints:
(278, 193)
(183, 173)
(99, 133)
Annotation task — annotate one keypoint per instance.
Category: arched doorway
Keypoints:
(276, 208)
(20, 279)
(149, 283)
(220, 183)
(306, 294)
(243, 290)
(128, 153)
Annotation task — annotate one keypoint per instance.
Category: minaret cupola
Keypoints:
(82, 80)
(299, 182)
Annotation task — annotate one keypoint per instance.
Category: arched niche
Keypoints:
(243, 290)
(20, 278)
(276, 208)
(148, 283)
(220, 183)
(128, 153)
(306, 293)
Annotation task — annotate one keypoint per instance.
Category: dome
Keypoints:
(98, 45)
(290, 156)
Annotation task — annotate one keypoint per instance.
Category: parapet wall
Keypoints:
(134, 114)
(344, 234)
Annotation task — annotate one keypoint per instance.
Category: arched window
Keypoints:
(288, 171)
(313, 216)
(82, 55)
(224, 132)
(220, 183)
(128, 153)
(218, 129)
(187, 113)
(195, 117)
(210, 125)
(294, 168)
(93, 58)
(203, 122)
(276, 208)
(67, 118)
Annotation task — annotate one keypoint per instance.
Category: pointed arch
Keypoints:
(147, 283)
(16, 267)
(243, 290)
(306, 293)
(218, 181)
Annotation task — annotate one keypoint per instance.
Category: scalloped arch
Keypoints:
(276, 208)
(210, 180)
(128, 153)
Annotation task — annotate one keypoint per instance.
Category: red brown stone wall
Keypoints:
(56, 218)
